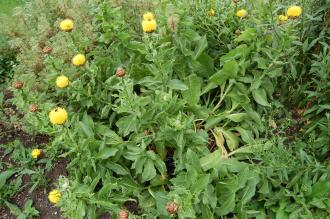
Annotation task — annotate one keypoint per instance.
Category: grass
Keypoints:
(6, 6)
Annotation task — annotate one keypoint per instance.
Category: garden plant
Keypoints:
(165, 109)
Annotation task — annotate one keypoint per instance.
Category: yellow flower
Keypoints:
(62, 81)
(36, 153)
(211, 12)
(66, 25)
(294, 12)
(149, 26)
(58, 116)
(242, 13)
(79, 60)
(54, 196)
(148, 16)
(282, 18)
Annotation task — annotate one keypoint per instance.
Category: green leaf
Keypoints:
(211, 160)
(127, 124)
(260, 97)
(149, 171)
(118, 169)
(231, 139)
(237, 117)
(176, 84)
(80, 212)
(193, 93)
(229, 71)
(228, 205)
(13, 208)
(4, 176)
(248, 35)
(112, 137)
(200, 184)
(105, 153)
(86, 129)
(202, 45)
(320, 189)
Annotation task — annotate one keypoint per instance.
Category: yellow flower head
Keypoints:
(79, 60)
(211, 12)
(66, 25)
(294, 12)
(36, 153)
(282, 18)
(148, 16)
(242, 13)
(62, 81)
(149, 25)
(54, 196)
(58, 116)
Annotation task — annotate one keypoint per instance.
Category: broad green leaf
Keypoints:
(149, 171)
(249, 34)
(231, 139)
(236, 53)
(228, 205)
(176, 84)
(112, 137)
(127, 124)
(250, 189)
(211, 160)
(4, 176)
(86, 129)
(260, 97)
(229, 71)
(237, 117)
(320, 189)
(202, 45)
(200, 184)
(105, 153)
(193, 93)
(13, 208)
(118, 169)
(80, 212)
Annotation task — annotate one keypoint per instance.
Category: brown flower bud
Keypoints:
(235, 1)
(50, 34)
(172, 23)
(33, 108)
(172, 207)
(18, 84)
(47, 49)
(123, 214)
(120, 72)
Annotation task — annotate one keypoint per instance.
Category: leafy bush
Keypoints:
(173, 116)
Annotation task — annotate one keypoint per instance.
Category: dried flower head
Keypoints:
(120, 72)
(47, 50)
(18, 84)
(123, 214)
(172, 207)
(172, 23)
(33, 108)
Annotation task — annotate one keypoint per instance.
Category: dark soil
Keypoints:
(10, 132)
(212, 146)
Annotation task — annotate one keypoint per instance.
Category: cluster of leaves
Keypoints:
(183, 124)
